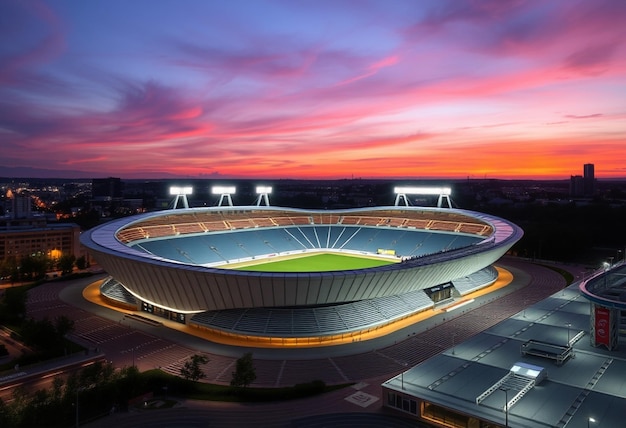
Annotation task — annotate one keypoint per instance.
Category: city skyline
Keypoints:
(313, 90)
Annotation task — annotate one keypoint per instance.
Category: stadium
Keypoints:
(295, 276)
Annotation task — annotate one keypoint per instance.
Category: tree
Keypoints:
(33, 267)
(191, 369)
(98, 373)
(63, 325)
(13, 304)
(6, 415)
(66, 263)
(244, 373)
(8, 268)
(48, 336)
(81, 263)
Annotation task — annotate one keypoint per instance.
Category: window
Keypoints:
(401, 402)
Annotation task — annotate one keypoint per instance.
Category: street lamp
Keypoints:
(78, 389)
(606, 266)
(402, 374)
(134, 349)
(77, 422)
(568, 325)
(506, 407)
(453, 337)
(589, 421)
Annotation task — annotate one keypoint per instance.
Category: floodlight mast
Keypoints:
(263, 192)
(443, 192)
(181, 194)
(224, 192)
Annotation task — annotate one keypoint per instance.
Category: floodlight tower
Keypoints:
(401, 193)
(263, 192)
(443, 192)
(181, 194)
(224, 192)
(444, 197)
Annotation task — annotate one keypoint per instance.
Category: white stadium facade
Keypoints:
(178, 264)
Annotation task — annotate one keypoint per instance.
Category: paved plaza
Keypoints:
(126, 340)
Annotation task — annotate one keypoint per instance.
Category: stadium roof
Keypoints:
(608, 288)
(184, 287)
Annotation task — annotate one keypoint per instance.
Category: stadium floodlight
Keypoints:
(423, 190)
(263, 192)
(443, 192)
(263, 189)
(181, 193)
(220, 190)
(225, 192)
(176, 190)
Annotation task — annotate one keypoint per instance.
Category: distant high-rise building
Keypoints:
(583, 185)
(576, 186)
(106, 189)
(20, 206)
(106, 195)
(589, 180)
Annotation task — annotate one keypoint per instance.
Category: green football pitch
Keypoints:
(317, 263)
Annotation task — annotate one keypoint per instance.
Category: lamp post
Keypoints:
(453, 337)
(589, 421)
(402, 374)
(134, 349)
(78, 389)
(77, 423)
(568, 325)
(506, 406)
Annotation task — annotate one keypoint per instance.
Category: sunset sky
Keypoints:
(313, 88)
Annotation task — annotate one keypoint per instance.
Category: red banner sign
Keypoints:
(602, 326)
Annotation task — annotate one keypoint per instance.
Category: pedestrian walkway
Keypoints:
(168, 344)
(92, 294)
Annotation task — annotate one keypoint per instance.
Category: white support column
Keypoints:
(399, 197)
(225, 197)
(443, 198)
(224, 192)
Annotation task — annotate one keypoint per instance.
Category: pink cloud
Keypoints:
(464, 89)
(45, 42)
(585, 116)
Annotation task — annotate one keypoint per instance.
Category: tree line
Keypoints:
(35, 267)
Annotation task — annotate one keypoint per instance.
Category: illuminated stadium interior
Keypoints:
(216, 268)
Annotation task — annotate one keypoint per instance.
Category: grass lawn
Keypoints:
(317, 263)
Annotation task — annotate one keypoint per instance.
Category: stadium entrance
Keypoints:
(440, 293)
(163, 313)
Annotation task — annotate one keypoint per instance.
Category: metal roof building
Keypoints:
(535, 369)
